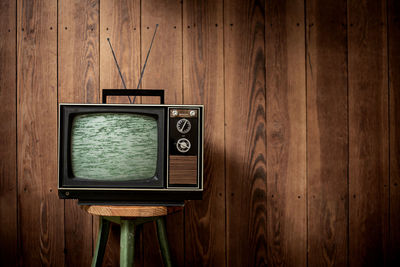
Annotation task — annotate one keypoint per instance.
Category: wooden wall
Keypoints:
(302, 138)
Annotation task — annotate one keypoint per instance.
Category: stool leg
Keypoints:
(102, 237)
(127, 243)
(162, 239)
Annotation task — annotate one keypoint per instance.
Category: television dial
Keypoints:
(183, 145)
(174, 113)
(183, 126)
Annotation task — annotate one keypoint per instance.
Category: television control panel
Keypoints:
(184, 132)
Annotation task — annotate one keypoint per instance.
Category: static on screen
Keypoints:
(114, 146)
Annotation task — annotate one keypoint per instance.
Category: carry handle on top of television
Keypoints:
(132, 92)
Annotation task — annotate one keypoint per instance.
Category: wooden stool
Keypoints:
(128, 217)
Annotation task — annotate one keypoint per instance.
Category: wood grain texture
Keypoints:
(368, 133)
(182, 170)
(127, 211)
(245, 133)
(286, 134)
(111, 255)
(120, 21)
(164, 66)
(95, 232)
(203, 71)
(327, 133)
(8, 131)
(394, 84)
(41, 213)
(212, 53)
(78, 51)
(163, 71)
(78, 82)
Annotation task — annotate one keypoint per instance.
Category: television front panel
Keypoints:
(130, 153)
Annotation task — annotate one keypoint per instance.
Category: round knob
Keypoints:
(174, 113)
(183, 145)
(183, 126)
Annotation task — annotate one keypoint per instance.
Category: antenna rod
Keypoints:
(145, 62)
(119, 70)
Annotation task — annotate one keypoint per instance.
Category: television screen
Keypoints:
(114, 146)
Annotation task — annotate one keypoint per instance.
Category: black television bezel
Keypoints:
(68, 112)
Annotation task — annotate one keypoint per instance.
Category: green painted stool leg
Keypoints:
(162, 239)
(127, 243)
(102, 237)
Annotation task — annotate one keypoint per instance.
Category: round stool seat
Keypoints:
(127, 211)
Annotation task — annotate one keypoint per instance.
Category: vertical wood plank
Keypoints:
(245, 134)
(119, 21)
(163, 71)
(204, 84)
(394, 84)
(286, 134)
(368, 132)
(95, 231)
(151, 249)
(78, 51)
(41, 213)
(8, 131)
(327, 133)
(164, 66)
(78, 61)
(111, 257)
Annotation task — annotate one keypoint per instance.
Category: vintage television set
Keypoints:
(130, 154)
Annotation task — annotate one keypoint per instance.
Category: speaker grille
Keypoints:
(183, 170)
